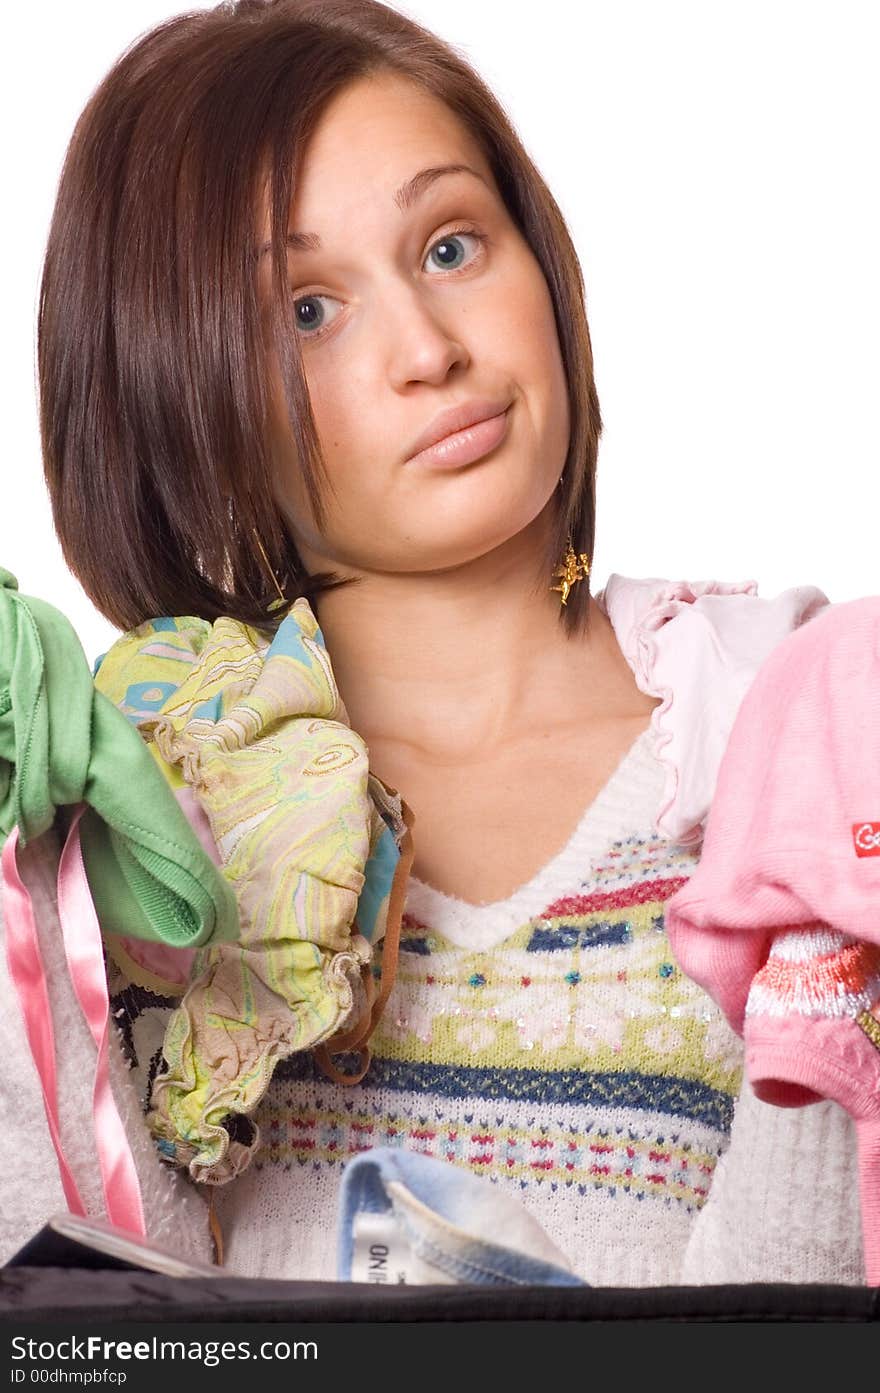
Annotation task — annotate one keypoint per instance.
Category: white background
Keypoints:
(718, 166)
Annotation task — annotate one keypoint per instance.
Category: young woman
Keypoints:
(312, 325)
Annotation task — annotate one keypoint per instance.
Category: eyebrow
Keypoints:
(405, 197)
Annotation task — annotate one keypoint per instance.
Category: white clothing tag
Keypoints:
(381, 1251)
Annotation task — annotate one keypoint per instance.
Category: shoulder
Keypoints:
(698, 645)
(651, 615)
(147, 664)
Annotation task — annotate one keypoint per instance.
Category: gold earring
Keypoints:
(282, 600)
(575, 567)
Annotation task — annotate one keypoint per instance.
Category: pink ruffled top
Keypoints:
(698, 645)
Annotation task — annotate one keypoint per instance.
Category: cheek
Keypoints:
(524, 329)
(289, 484)
(350, 499)
(540, 331)
(535, 358)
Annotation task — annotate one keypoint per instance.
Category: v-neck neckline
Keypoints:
(481, 926)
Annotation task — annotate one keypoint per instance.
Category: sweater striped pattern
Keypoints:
(548, 1043)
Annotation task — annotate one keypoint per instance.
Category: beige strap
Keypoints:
(359, 1034)
(216, 1231)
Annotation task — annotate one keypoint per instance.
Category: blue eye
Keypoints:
(308, 310)
(310, 315)
(447, 248)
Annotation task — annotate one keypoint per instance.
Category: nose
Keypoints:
(422, 343)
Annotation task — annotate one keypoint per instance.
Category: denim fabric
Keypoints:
(407, 1218)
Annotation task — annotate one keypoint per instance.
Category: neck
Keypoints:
(463, 659)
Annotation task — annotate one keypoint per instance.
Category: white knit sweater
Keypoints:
(549, 1043)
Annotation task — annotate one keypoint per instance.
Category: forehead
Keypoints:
(379, 124)
(372, 137)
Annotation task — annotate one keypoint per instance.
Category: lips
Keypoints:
(457, 418)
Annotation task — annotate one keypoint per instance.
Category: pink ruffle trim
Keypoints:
(701, 667)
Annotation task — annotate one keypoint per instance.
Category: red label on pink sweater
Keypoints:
(866, 838)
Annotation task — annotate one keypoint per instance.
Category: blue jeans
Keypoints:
(406, 1218)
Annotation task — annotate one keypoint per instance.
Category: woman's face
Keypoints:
(403, 312)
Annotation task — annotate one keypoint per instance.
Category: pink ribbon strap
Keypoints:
(29, 979)
(83, 949)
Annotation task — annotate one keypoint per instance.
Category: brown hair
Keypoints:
(150, 343)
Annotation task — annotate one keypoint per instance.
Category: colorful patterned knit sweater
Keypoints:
(548, 1043)
(522, 1042)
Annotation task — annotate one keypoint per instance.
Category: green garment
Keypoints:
(62, 742)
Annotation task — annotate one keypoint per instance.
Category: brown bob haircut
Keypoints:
(150, 334)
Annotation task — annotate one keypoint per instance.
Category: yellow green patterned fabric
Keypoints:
(259, 733)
